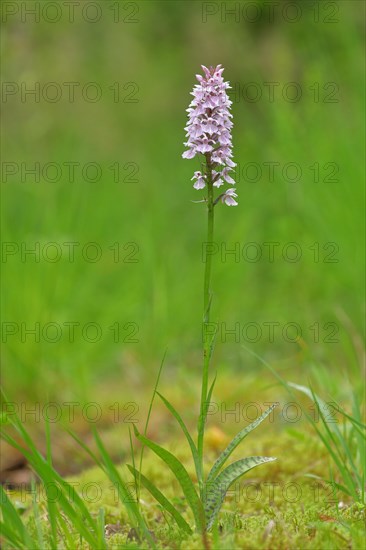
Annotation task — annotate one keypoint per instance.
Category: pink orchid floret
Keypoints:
(229, 197)
(209, 130)
(200, 182)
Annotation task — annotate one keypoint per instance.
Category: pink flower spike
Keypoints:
(208, 131)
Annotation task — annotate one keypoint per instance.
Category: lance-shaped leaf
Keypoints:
(182, 476)
(216, 490)
(235, 442)
(181, 423)
(158, 495)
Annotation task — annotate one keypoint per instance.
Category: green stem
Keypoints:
(206, 314)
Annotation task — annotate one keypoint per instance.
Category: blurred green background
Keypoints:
(153, 51)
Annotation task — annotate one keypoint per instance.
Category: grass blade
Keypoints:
(101, 533)
(131, 506)
(148, 416)
(12, 537)
(11, 518)
(85, 447)
(330, 441)
(37, 519)
(165, 503)
(76, 512)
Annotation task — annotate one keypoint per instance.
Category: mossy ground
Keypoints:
(275, 506)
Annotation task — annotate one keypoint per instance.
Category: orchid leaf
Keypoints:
(182, 476)
(235, 442)
(180, 421)
(216, 491)
(165, 503)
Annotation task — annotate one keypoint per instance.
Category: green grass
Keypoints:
(157, 292)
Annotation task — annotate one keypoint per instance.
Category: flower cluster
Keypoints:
(209, 131)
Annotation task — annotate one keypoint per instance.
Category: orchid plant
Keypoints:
(209, 136)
